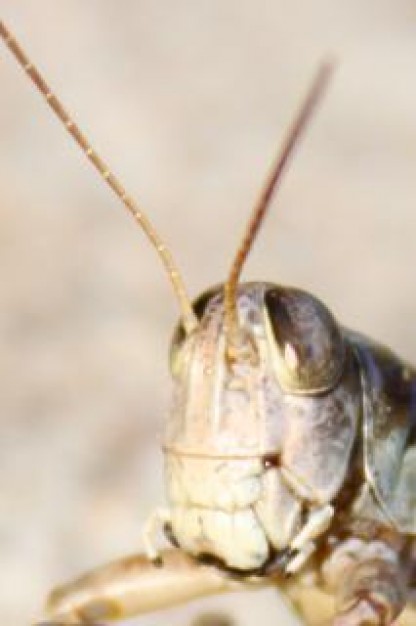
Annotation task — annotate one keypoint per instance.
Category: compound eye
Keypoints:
(306, 343)
(176, 353)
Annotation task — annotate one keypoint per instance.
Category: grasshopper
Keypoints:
(290, 449)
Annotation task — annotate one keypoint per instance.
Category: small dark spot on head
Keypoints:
(270, 460)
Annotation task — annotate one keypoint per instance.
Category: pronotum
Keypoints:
(290, 448)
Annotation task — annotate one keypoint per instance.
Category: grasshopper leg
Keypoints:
(134, 585)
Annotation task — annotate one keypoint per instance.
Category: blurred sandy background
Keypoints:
(188, 101)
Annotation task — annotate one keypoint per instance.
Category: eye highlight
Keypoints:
(306, 343)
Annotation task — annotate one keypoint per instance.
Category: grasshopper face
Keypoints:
(240, 479)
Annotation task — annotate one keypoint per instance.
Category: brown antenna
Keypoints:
(295, 130)
(189, 319)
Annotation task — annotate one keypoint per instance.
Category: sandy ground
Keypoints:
(188, 101)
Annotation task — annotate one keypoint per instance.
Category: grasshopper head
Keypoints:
(239, 427)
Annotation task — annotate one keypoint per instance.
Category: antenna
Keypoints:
(295, 130)
(189, 318)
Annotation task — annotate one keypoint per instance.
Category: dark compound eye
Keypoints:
(199, 305)
(307, 346)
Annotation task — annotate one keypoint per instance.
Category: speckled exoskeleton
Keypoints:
(290, 450)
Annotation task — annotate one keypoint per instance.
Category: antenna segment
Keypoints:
(189, 319)
(295, 130)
